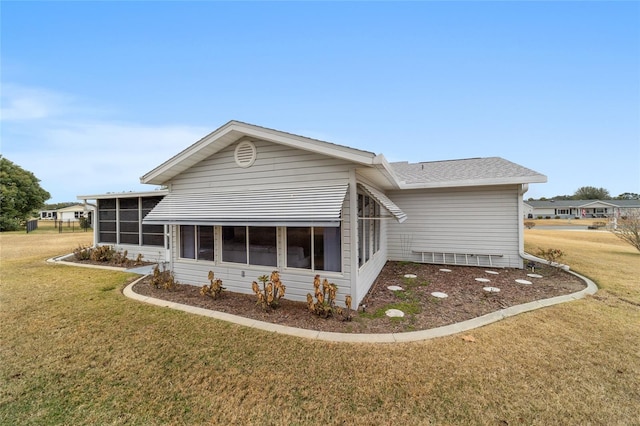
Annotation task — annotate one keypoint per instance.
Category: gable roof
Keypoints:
(400, 175)
(466, 172)
(235, 130)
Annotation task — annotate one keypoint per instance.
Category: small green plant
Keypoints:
(529, 224)
(214, 289)
(271, 292)
(163, 279)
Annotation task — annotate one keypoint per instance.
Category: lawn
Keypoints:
(75, 351)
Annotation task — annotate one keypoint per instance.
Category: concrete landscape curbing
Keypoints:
(410, 336)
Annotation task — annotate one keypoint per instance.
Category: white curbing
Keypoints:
(411, 336)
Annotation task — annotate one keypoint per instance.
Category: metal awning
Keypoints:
(302, 206)
(384, 201)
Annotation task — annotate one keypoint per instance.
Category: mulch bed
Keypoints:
(466, 298)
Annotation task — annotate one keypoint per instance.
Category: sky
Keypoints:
(96, 94)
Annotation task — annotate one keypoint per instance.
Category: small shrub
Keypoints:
(271, 292)
(539, 217)
(597, 225)
(214, 289)
(556, 217)
(138, 260)
(102, 254)
(82, 253)
(529, 224)
(163, 279)
(551, 255)
(325, 300)
(547, 217)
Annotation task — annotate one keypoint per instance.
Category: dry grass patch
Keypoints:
(75, 351)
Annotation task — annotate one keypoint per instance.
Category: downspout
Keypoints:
(526, 256)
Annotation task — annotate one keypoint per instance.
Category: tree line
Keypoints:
(591, 193)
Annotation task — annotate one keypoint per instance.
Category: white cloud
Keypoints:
(74, 156)
(21, 103)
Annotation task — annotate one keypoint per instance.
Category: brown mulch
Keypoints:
(466, 298)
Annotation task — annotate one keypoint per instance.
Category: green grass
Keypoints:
(75, 351)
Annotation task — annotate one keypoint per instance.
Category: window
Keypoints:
(129, 221)
(314, 248)
(152, 235)
(368, 228)
(107, 221)
(196, 242)
(253, 245)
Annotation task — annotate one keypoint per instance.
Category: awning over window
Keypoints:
(305, 206)
(385, 202)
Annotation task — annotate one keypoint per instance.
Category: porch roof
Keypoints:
(294, 206)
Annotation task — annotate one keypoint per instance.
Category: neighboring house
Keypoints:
(246, 200)
(48, 214)
(566, 209)
(71, 213)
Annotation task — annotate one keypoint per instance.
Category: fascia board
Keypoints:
(123, 195)
(476, 182)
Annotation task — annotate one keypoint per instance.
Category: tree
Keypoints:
(591, 193)
(20, 195)
(628, 228)
(628, 196)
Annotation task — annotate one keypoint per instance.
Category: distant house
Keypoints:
(564, 209)
(246, 200)
(71, 213)
(48, 214)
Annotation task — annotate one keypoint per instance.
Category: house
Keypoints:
(570, 209)
(70, 213)
(246, 200)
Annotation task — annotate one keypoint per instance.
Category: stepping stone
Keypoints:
(483, 280)
(394, 313)
(534, 275)
(439, 294)
(492, 272)
(411, 276)
(445, 270)
(523, 282)
(491, 289)
(395, 288)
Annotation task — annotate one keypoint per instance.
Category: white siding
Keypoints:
(275, 166)
(464, 220)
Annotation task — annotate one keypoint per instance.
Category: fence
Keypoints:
(71, 225)
(32, 225)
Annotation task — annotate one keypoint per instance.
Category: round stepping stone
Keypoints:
(491, 289)
(483, 280)
(439, 294)
(492, 272)
(394, 313)
(534, 275)
(523, 282)
(445, 270)
(410, 276)
(394, 288)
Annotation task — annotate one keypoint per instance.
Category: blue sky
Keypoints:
(96, 94)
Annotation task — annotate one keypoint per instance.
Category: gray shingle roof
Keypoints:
(474, 171)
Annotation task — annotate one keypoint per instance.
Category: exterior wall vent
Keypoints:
(245, 154)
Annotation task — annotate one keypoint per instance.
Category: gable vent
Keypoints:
(245, 154)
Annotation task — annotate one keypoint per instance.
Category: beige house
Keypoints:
(246, 200)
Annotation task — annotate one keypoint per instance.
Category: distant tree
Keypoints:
(628, 228)
(20, 195)
(56, 206)
(628, 196)
(591, 193)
